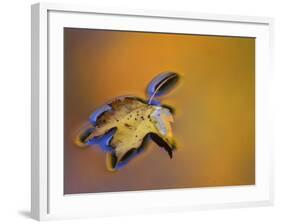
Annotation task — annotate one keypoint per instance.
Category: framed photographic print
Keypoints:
(138, 111)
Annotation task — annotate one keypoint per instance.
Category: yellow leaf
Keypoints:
(134, 120)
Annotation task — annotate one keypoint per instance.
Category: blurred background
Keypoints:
(214, 107)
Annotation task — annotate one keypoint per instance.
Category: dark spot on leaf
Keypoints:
(128, 125)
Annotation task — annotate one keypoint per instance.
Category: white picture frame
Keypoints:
(48, 201)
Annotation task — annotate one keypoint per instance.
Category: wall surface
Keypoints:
(15, 111)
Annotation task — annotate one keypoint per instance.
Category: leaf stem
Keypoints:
(153, 95)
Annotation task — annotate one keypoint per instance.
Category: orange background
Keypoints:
(215, 108)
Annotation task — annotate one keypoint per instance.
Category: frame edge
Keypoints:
(39, 202)
(35, 177)
(39, 169)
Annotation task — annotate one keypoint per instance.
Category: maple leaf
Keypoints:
(132, 121)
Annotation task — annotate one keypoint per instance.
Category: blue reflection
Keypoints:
(153, 84)
(103, 141)
(94, 116)
(155, 102)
